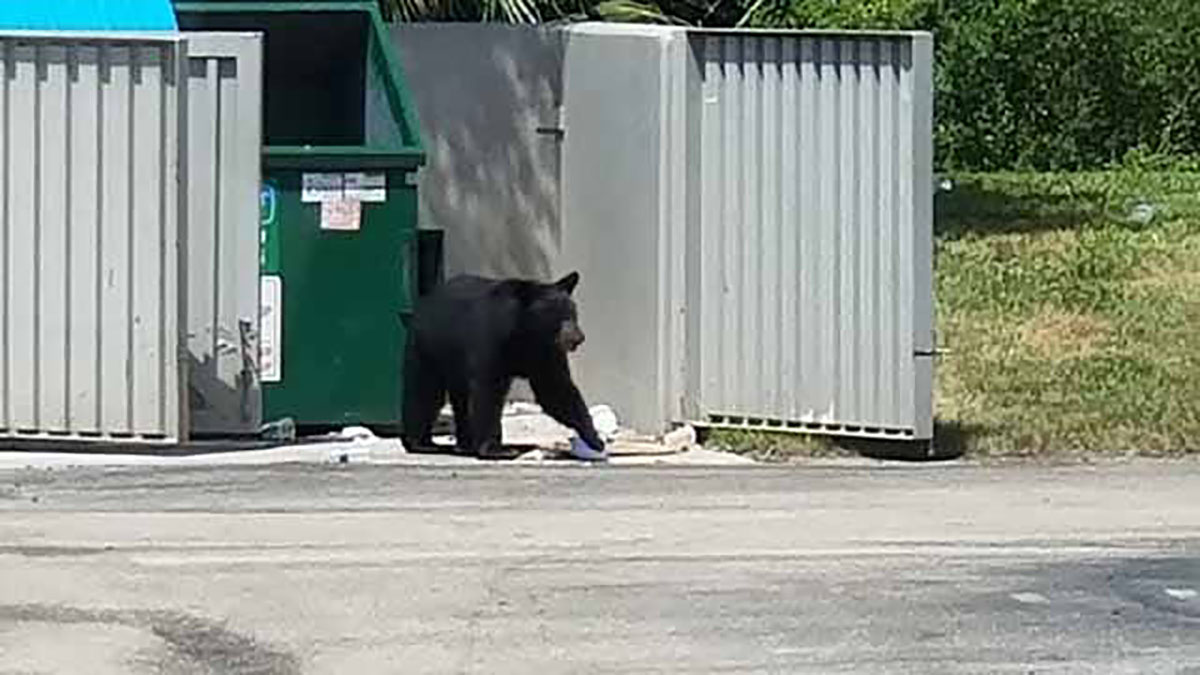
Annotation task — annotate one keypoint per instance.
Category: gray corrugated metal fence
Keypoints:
(815, 232)
(224, 141)
(91, 204)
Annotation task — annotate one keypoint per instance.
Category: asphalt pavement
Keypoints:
(863, 568)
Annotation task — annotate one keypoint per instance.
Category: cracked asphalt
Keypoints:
(862, 568)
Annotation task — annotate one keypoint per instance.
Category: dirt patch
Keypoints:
(1057, 335)
(1169, 279)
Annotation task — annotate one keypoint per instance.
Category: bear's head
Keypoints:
(552, 309)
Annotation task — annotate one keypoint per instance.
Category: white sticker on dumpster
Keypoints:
(366, 187)
(270, 327)
(341, 214)
(321, 187)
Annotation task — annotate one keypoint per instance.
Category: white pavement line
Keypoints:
(1030, 598)
(1181, 593)
(583, 551)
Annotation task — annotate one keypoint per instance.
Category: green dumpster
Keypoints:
(339, 209)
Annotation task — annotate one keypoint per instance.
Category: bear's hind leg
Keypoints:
(424, 393)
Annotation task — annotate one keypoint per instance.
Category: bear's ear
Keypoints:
(568, 282)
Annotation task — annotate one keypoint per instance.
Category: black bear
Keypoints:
(470, 337)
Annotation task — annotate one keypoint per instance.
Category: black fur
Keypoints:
(470, 337)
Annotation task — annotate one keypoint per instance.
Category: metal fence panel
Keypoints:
(91, 216)
(816, 240)
(224, 142)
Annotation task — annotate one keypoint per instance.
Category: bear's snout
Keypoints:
(570, 337)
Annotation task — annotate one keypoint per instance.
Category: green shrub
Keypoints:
(1042, 84)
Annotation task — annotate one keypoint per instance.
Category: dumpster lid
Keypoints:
(95, 15)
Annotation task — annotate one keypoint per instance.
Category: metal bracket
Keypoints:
(932, 352)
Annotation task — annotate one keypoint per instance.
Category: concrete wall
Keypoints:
(488, 100)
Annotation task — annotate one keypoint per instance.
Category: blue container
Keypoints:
(91, 15)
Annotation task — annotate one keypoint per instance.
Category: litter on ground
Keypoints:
(525, 425)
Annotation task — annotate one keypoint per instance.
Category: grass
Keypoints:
(1070, 304)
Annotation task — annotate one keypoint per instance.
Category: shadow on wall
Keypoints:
(488, 99)
(216, 407)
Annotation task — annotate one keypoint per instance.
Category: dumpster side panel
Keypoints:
(91, 232)
(225, 139)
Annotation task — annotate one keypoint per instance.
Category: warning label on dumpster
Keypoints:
(270, 326)
(365, 187)
(321, 187)
(355, 186)
(341, 196)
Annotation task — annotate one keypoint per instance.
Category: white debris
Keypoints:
(444, 440)
(363, 450)
(605, 421)
(535, 456)
(681, 439)
(1182, 593)
(1142, 213)
(526, 424)
(355, 433)
(1030, 598)
(522, 408)
(282, 430)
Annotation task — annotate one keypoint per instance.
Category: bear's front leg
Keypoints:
(560, 399)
